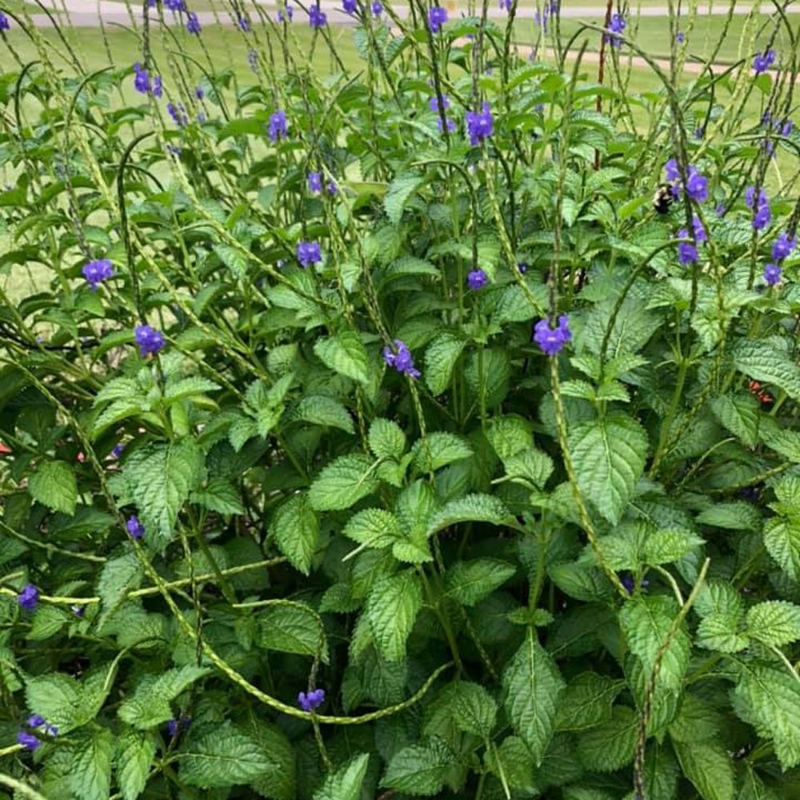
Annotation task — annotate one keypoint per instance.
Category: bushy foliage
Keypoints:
(375, 435)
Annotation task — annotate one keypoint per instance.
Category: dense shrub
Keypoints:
(376, 433)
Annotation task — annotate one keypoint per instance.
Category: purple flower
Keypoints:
(783, 246)
(150, 341)
(523, 267)
(434, 103)
(349, 6)
(505, 5)
(687, 252)
(761, 63)
(78, 611)
(698, 132)
(332, 187)
(158, 89)
(720, 209)
(552, 340)
(174, 725)
(316, 17)
(28, 597)
(175, 5)
(772, 274)
(696, 185)
(308, 253)
(96, 272)
(252, 60)
(377, 8)
(199, 93)
(616, 26)
(787, 127)
(699, 231)
(436, 18)
(629, 582)
(477, 279)
(243, 24)
(27, 740)
(479, 126)
(117, 451)
(289, 15)
(178, 114)
(312, 700)
(192, 23)
(277, 125)
(680, 37)
(762, 217)
(38, 721)
(4, 23)
(141, 81)
(401, 360)
(314, 182)
(671, 170)
(135, 528)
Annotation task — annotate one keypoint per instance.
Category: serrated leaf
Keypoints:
(135, 753)
(587, 702)
(342, 483)
(322, 410)
(90, 769)
(646, 623)
(611, 745)
(782, 540)
(696, 721)
(708, 767)
(386, 439)
(391, 610)
(669, 545)
(56, 697)
(296, 531)
(233, 258)
(219, 495)
(346, 782)
(513, 761)
(533, 687)
(278, 781)
(160, 479)
(222, 757)
(470, 508)
(469, 582)
(721, 632)
(294, 628)
(373, 527)
(763, 361)
(397, 194)
(54, 485)
(149, 705)
(509, 435)
(474, 709)
(442, 448)
(609, 456)
(736, 516)
(118, 576)
(421, 768)
(344, 353)
(533, 466)
(739, 414)
(771, 697)
(188, 387)
(774, 622)
(440, 360)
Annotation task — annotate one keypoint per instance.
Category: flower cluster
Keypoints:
(29, 740)
(760, 205)
(616, 26)
(150, 341)
(477, 279)
(98, 271)
(761, 63)
(316, 17)
(687, 251)
(314, 182)
(178, 114)
(401, 360)
(781, 249)
(28, 598)
(135, 528)
(349, 6)
(479, 125)
(552, 340)
(277, 126)
(308, 253)
(434, 106)
(314, 699)
(696, 183)
(142, 84)
(437, 17)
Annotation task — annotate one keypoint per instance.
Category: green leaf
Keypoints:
(474, 709)
(735, 516)
(722, 632)
(160, 479)
(222, 757)
(696, 721)
(442, 449)
(373, 527)
(278, 781)
(386, 439)
(118, 576)
(391, 610)
(740, 415)
(440, 360)
(421, 768)
(188, 387)
(646, 623)
(219, 495)
(609, 456)
(708, 767)
(782, 540)
(669, 545)
(149, 705)
(774, 622)
(343, 482)
(509, 436)
(233, 258)
(90, 770)
(344, 353)
(470, 508)
(533, 688)
(135, 755)
(296, 531)
(512, 760)
(531, 466)
(587, 702)
(53, 484)
(294, 628)
(469, 582)
(56, 697)
(610, 745)
(322, 410)
(397, 194)
(346, 782)
(763, 361)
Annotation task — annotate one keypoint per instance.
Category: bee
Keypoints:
(663, 198)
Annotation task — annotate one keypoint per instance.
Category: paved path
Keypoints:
(87, 13)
